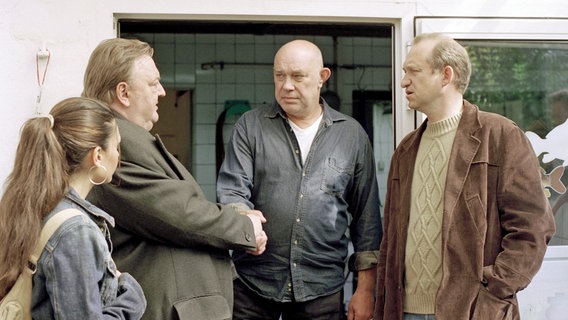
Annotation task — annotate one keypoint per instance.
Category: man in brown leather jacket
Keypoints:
(466, 219)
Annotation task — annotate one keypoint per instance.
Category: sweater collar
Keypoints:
(439, 128)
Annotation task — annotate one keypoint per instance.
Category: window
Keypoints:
(527, 81)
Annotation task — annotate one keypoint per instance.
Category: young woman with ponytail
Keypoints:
(59, 159)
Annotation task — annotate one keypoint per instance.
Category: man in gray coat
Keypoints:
(168, 235)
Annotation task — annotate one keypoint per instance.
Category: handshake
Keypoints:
(257, 219)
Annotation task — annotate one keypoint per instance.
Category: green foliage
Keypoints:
(514, 78)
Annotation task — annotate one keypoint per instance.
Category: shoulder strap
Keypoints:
(49, 228)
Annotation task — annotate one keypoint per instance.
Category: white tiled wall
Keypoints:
(180, 57)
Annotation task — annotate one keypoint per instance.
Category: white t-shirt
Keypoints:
(306, 136)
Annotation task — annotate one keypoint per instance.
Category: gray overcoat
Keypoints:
(168, 235)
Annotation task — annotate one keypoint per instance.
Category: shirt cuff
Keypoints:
(239, 206)
(363, 260)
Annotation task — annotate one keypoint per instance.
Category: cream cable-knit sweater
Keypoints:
(423, 248)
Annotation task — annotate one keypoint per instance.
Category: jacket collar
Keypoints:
(468, 125)
(330, 115)
(88, 207)
(129, 130)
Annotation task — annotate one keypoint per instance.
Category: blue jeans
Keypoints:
(414, 316)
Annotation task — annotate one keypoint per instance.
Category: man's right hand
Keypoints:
(257, 219)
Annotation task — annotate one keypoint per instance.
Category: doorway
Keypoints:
(175, 123)
(222, 61)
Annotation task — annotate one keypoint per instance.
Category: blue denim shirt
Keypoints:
(309, 208)
(76, 277)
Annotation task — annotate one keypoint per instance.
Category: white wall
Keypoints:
(71, 29)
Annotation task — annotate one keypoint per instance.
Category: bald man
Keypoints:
(310, 169)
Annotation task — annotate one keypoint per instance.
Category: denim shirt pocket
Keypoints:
(336, 175)
(109, 285)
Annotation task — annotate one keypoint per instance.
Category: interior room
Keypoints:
(211, 67)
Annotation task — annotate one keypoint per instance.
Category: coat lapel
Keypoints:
(464, 149)
(405, 172)
(173, 163)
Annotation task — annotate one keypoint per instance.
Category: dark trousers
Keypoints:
(250, 306)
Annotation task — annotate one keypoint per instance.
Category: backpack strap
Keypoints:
(48, 230)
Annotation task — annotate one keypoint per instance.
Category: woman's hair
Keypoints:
(51, 149)
(448, 52)
(112, 62)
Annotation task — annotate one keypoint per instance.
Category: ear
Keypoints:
(95, 156)
(448, 74)
(121, 91)
(325, 73)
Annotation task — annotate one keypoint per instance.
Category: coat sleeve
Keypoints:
(392, 195)
(148, 199)
(236, 175)
(366, 228)
(526, 219)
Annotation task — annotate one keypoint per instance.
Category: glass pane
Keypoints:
(525, 81)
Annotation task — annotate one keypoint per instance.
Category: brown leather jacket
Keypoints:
(496, 225)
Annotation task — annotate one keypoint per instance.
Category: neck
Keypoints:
(306, 121)
(81, 184)
(119, 108)
(447, 109)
